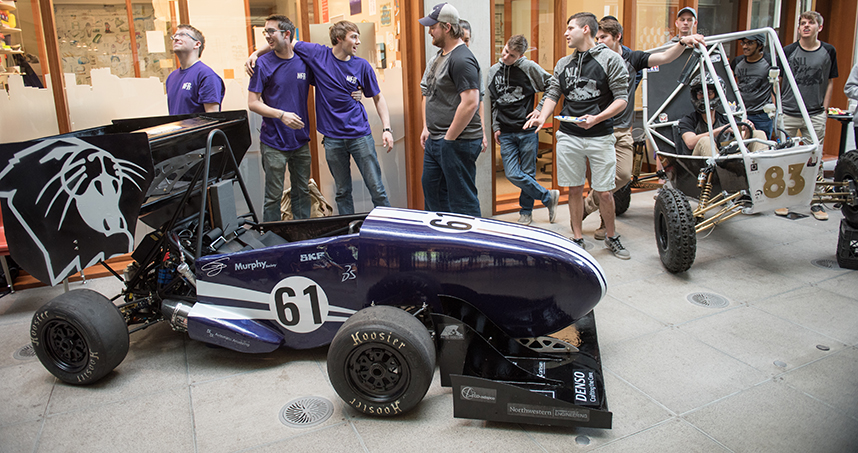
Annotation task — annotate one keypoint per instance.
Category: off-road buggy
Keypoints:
(392, 292)
(735, 180)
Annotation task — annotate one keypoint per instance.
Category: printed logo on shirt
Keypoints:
(302, 76)
(187, 86)
(351, 79)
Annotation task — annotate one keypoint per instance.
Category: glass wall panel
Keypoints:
(765, 13)
(535, 20)
(654, 24)
(380, 45)
(115, 59)
(718, 17)
(27, 109)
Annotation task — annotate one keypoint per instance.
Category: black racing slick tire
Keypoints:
(622, 199)
(381, 361)
(847, 170)
(79, 336)
(674, 230)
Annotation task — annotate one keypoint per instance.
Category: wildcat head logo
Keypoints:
(70, 203)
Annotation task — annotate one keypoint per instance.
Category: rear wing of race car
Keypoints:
(71, 201)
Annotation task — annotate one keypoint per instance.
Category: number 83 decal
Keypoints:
(776, 184)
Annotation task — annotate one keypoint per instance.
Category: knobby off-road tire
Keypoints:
(674, 230)
(381, 361)
(79, 336)
(622, 198)
(847, 170)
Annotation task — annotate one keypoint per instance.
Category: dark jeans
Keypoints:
(274, 163)
(338, 153)
(518, 151)
(449, 176)
(762, 122)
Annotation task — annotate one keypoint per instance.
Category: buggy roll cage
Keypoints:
(703, 63)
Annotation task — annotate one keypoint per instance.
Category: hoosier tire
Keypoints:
(381, 361)
(622, 198)
(847, 170)
(79, 336)
(674, 230)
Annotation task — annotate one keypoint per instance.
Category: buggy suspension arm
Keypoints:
(728, 211)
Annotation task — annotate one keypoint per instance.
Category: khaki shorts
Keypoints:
(573, 152)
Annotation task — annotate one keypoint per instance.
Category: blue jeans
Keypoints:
(518, 151)
(338, 152)
(449, 176)
(762, 122)
(274, 164)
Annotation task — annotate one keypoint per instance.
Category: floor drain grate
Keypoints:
(826, 264)
(306, 412)
(708, 300)
(25, 352)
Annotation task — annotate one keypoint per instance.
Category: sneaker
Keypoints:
(782, 211)
(601, 233)
(552, 205)
(617, 248)
(579, 242)
(525, 219)
(819, 212)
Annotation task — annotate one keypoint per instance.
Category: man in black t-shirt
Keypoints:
(814, 65)
(694, 127)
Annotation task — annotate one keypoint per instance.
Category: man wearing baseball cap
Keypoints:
(686, 20)
(452, 134)
(752, 76)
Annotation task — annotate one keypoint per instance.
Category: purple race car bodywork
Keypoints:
(392, 292)
(531, 281)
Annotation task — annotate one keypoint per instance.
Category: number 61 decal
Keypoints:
(300, 304)
(450, 223)
(775, 183)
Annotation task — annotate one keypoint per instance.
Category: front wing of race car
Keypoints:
(494, 377)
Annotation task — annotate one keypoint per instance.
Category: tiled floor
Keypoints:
(748, 377)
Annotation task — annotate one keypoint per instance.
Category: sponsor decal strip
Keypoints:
(204, 310)
(219, 291)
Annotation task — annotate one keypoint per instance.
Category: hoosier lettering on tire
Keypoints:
(381, 361)
(79, 336)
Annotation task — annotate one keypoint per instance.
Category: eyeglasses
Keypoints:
(180, 35)
(271, 31)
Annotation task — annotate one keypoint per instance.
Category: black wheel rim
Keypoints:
(661, 234)
(378, 372)
(66, 346)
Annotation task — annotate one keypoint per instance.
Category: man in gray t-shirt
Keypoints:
(752, 75)
(452, 134)
(814, 66)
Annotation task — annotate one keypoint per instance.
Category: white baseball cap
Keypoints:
(442, 12)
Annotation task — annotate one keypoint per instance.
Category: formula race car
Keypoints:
(743, 173)
(391, 292)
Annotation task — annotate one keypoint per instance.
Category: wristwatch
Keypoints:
(386, 129)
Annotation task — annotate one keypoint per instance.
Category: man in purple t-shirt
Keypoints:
(338, 72)
(278, 91)
(194, 87)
